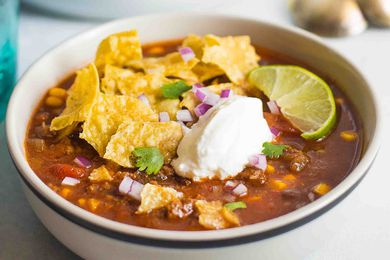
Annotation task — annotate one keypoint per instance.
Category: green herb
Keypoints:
(273, 150)
(175, 89)
(149, 159)
(235, 205)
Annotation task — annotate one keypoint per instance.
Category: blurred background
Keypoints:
(358, 29)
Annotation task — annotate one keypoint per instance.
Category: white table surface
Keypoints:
(364, 232)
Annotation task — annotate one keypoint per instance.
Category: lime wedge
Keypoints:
(304, 99)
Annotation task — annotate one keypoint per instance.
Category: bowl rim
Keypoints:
(185, 239)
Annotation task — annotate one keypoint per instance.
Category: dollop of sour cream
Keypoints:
(221, 143)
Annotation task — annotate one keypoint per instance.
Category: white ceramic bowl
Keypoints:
(95, 237)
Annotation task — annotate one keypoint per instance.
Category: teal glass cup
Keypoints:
(9, 10)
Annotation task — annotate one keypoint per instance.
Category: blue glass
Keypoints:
(8, 44)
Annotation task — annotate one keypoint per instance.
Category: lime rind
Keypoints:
(305, 99)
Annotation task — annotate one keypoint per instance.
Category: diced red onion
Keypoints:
(70, 181)
(196, 86)
(186, 53)
(311, 196)
(131, 187)
(262, 163)
(273, 107)
(253, 160)
(259, 161)
(230, 184)
(82, 161)
(225, 93)
(206, 96)
(163, 117)
(184, 115)
(201, 95)
(125, 185)
(135, 191)
(144, 99)
(274, 131)
(211, 99)
(240, 190)
(201, 109)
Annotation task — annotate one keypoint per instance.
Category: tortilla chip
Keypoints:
(116, 78)
(171, 65)
(233, 55)
(212, 215)
(196, 43)
(100, 174)
(108, 113)
(171, 106)
(152, 89)
(131, 134)
(127, 82)
(81, 98)
(155, 197)
(118, 49)
(206, 71)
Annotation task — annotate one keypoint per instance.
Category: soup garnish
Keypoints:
(201, 133)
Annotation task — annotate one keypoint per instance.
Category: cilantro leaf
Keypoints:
(149, 159)
(235, 205)
(273, 150)
(175, 89)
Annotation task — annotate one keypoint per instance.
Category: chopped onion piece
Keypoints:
(125, 185)
(201, 109)
(200, 95)
(131, 187)
(211, 99)
(240, 190)
(70, 181)
(230, 184)
(197, 86)
(164, 117)
(225, 93)
(259, 161)
(274, 131)
(184, 115)
(82, 161)
(262, 163)
(186, 53)
(144, 99)
(135, 191)
(311, 196)
(273, 107)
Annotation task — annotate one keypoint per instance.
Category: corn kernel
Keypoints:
(278, 185)
(270, 169)
(54, 101)
(289, 177)
(321, 189)
(230, 216)
(65, 192)
(57, 92)
(158, 50)
(93, 204)
(349, 136)
(82, 201)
